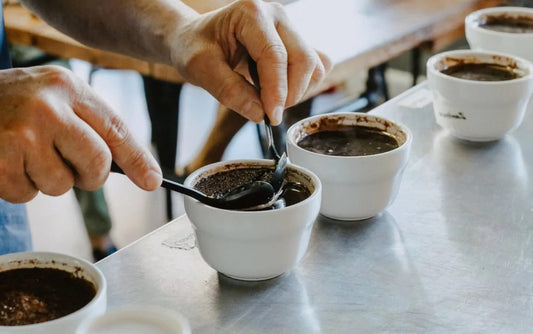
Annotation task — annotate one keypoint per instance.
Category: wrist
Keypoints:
(173, 40)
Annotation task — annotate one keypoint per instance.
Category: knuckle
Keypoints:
(58, 184)
(46, 110)
(309, 62)
(319, 73)
(252, 7)
(99, 163)
(26, 136)
(59, 76)
(117, 132)
(276, 54)
(228, 91)
(95, 171)
(248, 109)
(138, 161)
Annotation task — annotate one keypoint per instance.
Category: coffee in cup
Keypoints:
(481, 71)
(349, 141)
(34, 295)
(505, 22)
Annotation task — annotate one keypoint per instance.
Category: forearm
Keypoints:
(139, 28)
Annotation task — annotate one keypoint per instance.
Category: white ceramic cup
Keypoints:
(480, 38)
(253, 245)
(82, 268)
(354, 187)
(479, 110)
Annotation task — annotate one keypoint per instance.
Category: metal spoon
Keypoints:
(281, 162)
(251, 196)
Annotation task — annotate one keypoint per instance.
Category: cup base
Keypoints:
(475, 139)
(251, 279)
(342, 218)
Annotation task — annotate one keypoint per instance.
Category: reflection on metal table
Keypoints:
(454, 252)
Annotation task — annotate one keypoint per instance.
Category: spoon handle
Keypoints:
(175, 186)
(252, 68)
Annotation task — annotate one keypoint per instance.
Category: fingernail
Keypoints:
(152, 180)
(278, 115)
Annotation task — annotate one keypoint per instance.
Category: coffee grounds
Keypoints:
(34, 295)
(218, 184)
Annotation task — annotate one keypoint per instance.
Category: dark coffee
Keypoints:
(507, 23)
(481, 72)
(34, 295)
(218, 184)
(349, 141)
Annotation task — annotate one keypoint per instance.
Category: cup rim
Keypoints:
(522, 63)
(401, 126)
(256, 162)
(171, 319)
(472, 17)
(99, 278)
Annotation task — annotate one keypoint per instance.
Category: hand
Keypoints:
(211, 50)
(56, 133)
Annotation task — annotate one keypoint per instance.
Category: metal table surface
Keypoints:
(454, 252)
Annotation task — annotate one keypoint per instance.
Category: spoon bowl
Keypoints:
(250, 196)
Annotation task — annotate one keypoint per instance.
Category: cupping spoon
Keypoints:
(281, 162)
(251, 196)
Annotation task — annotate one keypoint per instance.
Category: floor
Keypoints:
(56, 222)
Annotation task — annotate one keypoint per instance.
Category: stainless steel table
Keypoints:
(453, 253)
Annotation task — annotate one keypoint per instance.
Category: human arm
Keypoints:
(209, 50)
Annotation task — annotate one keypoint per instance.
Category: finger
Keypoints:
(302, 63)
(306, 67)
(15, 186)
(48, 171)
(135, 160)
(228, 87)
(265, 46)
(321, 70)
(272, 70)
(326, 61)
(81, 150)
